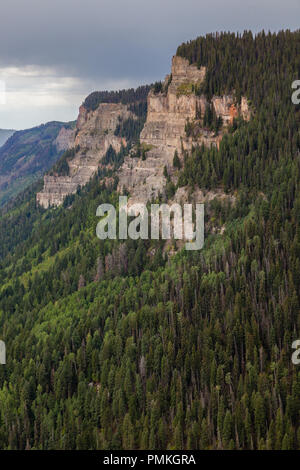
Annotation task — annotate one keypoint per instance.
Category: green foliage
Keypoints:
(130, 96)
(185, 89)
(176, 161)
(115, 158)
(240, 62)
(157, 87)
(111, 347)
(61, 167)
(189, 127)
(130, 129)
(26, 156)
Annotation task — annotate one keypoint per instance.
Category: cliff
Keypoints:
(165, 130)
(93, 135)
(176, 121)
(64, 139)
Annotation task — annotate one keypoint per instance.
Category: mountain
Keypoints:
(178, 103)
(139, 344)
(177, 121)
(102, 126)
(4, 135)
(27, 154)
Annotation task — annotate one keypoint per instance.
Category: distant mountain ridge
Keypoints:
(27, 154)
(5, 134)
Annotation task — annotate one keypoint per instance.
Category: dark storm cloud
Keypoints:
(55, 52)
(128, 38)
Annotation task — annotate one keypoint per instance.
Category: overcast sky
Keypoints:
(55, 52)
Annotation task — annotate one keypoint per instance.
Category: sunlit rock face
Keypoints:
(168, 112)
(93, 135)
(164, 130)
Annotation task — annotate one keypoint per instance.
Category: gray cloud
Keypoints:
(106, 43)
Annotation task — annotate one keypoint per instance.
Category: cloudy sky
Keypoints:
(55, 52)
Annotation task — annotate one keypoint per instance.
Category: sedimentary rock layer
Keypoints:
(164, 130)
(93, 135)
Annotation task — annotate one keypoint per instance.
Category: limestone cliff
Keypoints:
(65, 139)
(175, 121)
(169, 111)
(91, 138)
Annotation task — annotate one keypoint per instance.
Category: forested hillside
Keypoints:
(131, 96)
(114, 345)
(26, 155)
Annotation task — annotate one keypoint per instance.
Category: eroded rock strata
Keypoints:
(165, 128)
(93, 135)
(169, 111)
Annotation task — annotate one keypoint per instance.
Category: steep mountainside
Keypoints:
(179, 117)
(5, 135)
(98, 130)
(176, 122)
(115, 344)
(28, 154)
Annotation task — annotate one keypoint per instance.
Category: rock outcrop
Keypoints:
(169, 111)
(56, 188)
(93, 135)
(65, 139)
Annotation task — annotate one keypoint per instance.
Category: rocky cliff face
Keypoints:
(64, 139)
(93, 135)
(169, 111)
(164, 132)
